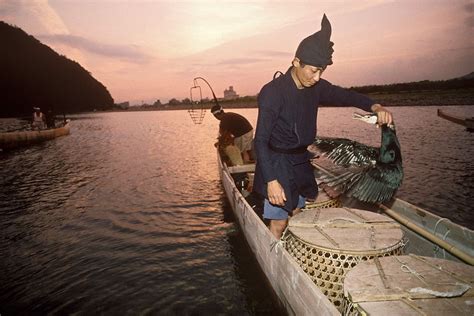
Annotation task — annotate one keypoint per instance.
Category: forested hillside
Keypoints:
(32, 74)
(465, 82)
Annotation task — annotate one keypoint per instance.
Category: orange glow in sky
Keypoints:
(148, 50)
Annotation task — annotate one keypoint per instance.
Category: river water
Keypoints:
(127, 215)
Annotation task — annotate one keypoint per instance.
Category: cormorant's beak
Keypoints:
(368, 118)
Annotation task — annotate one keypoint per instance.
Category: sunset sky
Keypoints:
(147, 50)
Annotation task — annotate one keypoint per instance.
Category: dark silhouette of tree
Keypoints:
(32, 74)
(174, 101)
(425, 85)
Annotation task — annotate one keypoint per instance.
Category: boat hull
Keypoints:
(297, 292)
(467, 122)
(10, 140)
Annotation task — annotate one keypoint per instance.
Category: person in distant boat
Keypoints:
(238, 127)
(39, 119)
(286, 125)
(50, 119)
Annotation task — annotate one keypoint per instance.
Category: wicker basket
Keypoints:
(323, 201)
(327, 243)
(409, 285)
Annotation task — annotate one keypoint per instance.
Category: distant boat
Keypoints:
(9, 140)
(467, 122)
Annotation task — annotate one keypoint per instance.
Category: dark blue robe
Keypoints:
(287, 120)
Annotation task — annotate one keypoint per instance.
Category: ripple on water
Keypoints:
(127, 214)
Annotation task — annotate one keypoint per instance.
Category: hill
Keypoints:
(464, 82)
(32, 74)
(457, 91)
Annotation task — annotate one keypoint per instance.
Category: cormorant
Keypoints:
(374, 174)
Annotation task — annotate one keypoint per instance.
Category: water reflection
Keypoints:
(127, 214)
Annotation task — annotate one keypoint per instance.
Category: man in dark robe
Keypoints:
(286, 125)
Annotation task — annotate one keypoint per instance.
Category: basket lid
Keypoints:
(406, 285)
(345, 229)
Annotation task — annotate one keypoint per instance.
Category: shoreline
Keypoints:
(462, 97)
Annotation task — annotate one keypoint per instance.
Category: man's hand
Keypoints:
(383, 115)
(276, 195)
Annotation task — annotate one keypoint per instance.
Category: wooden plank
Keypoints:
(453, 306)
(404, 273)
(242, 168)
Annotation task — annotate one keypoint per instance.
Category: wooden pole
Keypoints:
(431, 237)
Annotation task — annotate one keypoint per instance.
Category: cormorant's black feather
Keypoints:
(374, 175)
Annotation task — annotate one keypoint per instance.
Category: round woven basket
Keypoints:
(409, 285)
(323, 201)
(327, 243)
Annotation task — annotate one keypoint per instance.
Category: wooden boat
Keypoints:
(9, 140)
(467, 122)
(428, 235)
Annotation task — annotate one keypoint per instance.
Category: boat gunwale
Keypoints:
(316, 301)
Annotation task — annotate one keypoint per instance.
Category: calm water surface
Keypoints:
(127, 214)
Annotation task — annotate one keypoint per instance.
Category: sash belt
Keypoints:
(297, 150)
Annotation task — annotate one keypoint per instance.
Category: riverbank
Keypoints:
(404, 98)
(426, 98)
(464, 97)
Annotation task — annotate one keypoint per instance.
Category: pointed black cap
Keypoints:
(316, 49)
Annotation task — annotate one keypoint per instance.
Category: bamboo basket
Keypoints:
(409, 285)
(327, 243)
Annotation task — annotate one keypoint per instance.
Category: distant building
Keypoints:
(230, 94)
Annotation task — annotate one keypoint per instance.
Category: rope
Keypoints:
(461, 288)
(280, 242)
(372, 237)
(406, 268)
(437, 223)
(437, 248)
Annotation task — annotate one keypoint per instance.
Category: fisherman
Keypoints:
(39, 120)
(239, 127)
(50, 119)
(286, 125)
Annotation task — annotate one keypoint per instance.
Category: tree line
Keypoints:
(462, 87)
(466, 82)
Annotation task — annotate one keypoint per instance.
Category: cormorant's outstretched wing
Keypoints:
(375, 184)
(346, 152)
(366, 179)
